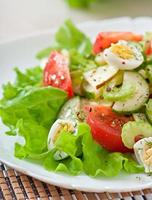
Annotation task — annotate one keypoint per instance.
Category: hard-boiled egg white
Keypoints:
(59, 126)
(143, 153)
(124, 55)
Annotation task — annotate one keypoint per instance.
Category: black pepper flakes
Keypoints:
(123, 62)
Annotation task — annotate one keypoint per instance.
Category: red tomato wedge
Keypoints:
(105, 39)
(57, 74)
(106, 127)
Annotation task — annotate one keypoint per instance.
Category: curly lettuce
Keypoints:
(29, 110)
(68, 37)
(85, 155)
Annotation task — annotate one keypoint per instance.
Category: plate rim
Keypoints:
(72, 186)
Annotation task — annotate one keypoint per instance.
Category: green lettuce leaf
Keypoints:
(29, 110)
(40, 104)
(33, 112)
(81, 62)
(68, 37)
(71, 165)
(31, 77)
(44, 53)
(78, 65)
(95, 160)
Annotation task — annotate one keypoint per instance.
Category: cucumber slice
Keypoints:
(70, 109)
(138, 117)
(149, 110)
(141, 94)
(133, 129)
(119, 94)
(116, 80)
(97, 77)
(90, 92)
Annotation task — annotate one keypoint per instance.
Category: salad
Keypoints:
(88, 107)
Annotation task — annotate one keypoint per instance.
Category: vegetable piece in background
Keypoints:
(106, 128)
(57, 74)
(105, 39)
(148, 43)
(79, 3)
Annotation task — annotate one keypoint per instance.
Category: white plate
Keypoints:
(21, 53)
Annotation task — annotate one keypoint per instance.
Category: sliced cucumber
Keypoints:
(119, 94)
(138, 117)
(141, 94)
(70, 109)
(133, 129)
(97, 77)
(67, 116)
(149, 110)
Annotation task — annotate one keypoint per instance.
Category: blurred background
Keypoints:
(23, 17)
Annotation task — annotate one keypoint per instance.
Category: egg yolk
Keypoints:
(66, 127)
(122, 51)
(147, 155)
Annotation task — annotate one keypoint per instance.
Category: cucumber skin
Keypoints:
(129, 112)
(117, 96)
(138, 108)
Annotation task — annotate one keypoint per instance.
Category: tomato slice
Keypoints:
(56, 72)
(106, 127)
(105, 39)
